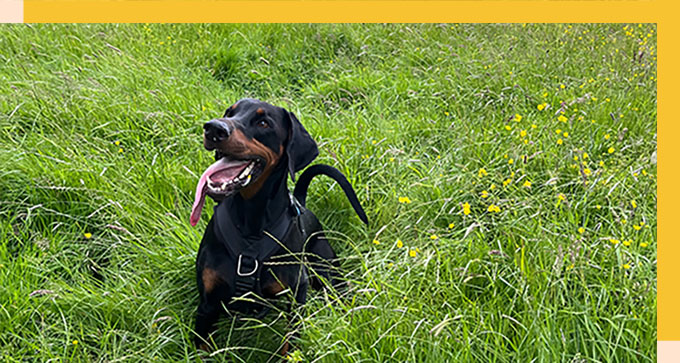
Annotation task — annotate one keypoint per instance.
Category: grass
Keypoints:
(100, 150)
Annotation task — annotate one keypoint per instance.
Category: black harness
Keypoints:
(249, 254)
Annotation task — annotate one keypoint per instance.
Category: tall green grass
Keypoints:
(100, 150)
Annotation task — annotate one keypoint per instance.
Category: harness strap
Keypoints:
(249, 254)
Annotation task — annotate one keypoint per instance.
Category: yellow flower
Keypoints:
(565, 134)
(614, 241)
(561, 118)
(404, 200)
(623, 221)
(494, 208)
(611, 150)
(581, 229)
(492, 187)
(533, 126)
(485, 194)
(88, 235)
(412, 253)
(561, 197)
(506, 182)
(376, 242)
(523, 133)
(75, 342)
(585, 155)
(558, 131)
(400, 244)
(644, 244)
(627, 242)
(374, 142)
(511, 161)
(450, 225)
(117, 143)
(626, 266)
(120, 150)
(586, 171)
(507, 127)
(466, 208)
(606, 136)
(632, 203)
(433, 237)
(518, 117)
(559, 141)
(527, 184)
(562, 86)
(482, 172)
(541, 106)
(598, 206)
(575, 157)
(601, 163)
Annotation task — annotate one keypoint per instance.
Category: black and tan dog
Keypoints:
(261, 242)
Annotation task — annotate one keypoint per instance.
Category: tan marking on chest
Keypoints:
(210, 279)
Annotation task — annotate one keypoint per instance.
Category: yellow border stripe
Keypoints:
(334, 11)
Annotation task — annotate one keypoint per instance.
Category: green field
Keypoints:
(508, 171)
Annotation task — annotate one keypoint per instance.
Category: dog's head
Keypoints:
(250, 140)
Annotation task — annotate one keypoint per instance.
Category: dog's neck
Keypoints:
(263, 208)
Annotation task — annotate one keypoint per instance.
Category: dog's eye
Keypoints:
(263, 124)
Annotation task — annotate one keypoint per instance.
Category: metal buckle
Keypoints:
(243, 274)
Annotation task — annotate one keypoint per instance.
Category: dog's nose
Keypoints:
(216, 131)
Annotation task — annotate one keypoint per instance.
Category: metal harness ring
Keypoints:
(238, 268)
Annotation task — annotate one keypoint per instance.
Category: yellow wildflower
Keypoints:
(644, 244)
(559, 141)
(434, 237)
(376, 242)
(485, 194)
(614, 241)
(533, 126)
(606, 136)
(506, 182)
(518, 117)
(400, 244)
(494, 208)
(466, 208)
(87, 235)
(404, 200)
(412, 253)
(611, 150)
(75, 342)
(507, 127)
(541, 106)
(565, 134)
(450, 225)
(511, 161)
(627, 242)
(581, 229)
(632, 203)
(561, 118)
(523, 133)
(527, 184)
(626, 266)
(482, 172)
(586, 171)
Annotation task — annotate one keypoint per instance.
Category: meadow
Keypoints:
(508, 171)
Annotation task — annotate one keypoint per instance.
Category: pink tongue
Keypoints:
(202, 186)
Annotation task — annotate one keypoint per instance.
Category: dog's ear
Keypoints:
(301, 149)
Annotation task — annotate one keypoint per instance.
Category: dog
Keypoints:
(261, 241)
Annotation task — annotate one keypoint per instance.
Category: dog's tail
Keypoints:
(300, 191)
